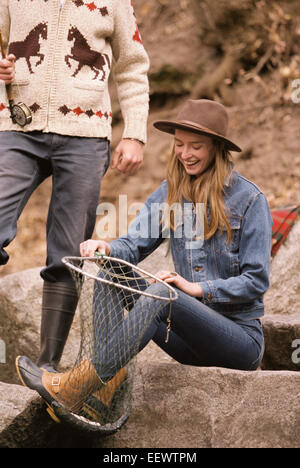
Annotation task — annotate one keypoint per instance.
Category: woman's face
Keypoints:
(195, 152)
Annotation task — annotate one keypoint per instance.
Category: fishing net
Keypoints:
(117, 303)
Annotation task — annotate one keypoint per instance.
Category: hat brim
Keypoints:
(170, 127)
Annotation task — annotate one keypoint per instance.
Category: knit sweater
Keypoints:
(64, 56)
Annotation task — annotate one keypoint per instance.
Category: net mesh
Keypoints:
(117, 303)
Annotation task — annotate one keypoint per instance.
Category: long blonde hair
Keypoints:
(207, 188)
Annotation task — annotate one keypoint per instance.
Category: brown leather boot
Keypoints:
(72, 388)
(98, 406)
(106, 393)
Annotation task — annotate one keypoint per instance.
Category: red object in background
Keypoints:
(283, 221)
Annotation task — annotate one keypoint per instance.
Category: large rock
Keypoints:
(188, 407)
(14, 400)
(176, 406)
(283, 297)
(173, 405)
(20, 312)
(20, 317)
(24, 422)
(282, 338)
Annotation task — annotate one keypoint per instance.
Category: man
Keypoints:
(59, 57)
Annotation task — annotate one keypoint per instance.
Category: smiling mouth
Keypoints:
(191, 164)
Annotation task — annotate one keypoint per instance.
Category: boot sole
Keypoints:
(83, 424)
(52, 414)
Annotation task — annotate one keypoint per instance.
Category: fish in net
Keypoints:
(118, 301)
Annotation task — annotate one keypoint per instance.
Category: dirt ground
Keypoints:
(184, 57)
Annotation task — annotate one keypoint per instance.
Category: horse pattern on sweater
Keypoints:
(82, 53)
(30, 47)
(64, 57)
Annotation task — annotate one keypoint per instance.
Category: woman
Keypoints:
(220, 279)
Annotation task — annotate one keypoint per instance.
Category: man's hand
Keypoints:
(7, 69)
(128, 156)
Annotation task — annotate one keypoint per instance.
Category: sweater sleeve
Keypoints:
(4, 22)
(130, 71)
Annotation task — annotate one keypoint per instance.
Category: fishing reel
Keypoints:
(19, 113)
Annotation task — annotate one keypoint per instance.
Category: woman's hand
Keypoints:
(89, 247)
(193, 289)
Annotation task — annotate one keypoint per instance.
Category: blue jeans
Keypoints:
(199, 335)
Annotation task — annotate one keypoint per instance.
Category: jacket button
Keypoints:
(198, 268)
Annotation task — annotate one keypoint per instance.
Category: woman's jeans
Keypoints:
(199, 336)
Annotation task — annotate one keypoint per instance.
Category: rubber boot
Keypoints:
(58, 309)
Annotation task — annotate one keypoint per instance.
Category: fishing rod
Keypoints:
(19, 113)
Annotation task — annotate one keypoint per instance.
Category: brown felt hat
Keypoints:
(201, 116)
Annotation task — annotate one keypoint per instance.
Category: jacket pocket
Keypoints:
(89, 86)
(226, 255)
(20, 83)
(235, 226)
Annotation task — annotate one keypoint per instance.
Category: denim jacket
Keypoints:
(235, 276)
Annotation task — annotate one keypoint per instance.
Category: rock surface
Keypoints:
(283, 297)
(14, 399)
(20, 316)
(182, 406)
(177, 406)
(173, 405)
(282, 338)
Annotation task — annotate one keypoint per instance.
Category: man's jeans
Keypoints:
(77, 166)
(199, 335)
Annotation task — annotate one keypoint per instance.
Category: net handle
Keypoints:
(67, 261)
